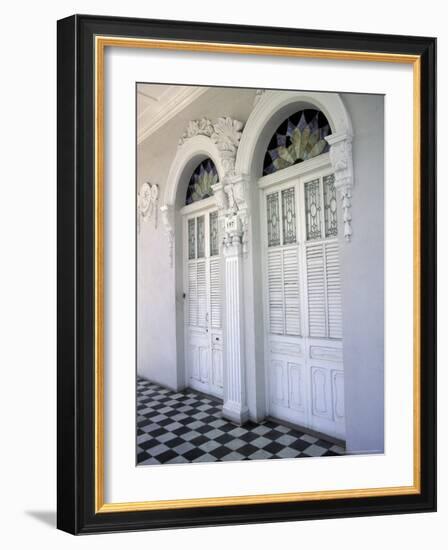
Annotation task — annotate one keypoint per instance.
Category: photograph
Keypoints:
(260, 274)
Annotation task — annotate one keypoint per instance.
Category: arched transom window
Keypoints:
(201, 181)
(300, 137)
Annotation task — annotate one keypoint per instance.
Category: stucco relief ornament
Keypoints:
(236, 220)
(222, 203)
(242, 199)
(147, 203)
(232, 205)
(201, 127)
(220, 197)
(226, 136)
(342, 164)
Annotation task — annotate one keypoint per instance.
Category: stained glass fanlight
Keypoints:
(300, 137)
(201, 181)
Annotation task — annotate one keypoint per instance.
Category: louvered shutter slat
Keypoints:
(215, 293)
(334, 305)
(275, 291)
(201, 293)
(291, 291)
(192, 295)
(316, 291)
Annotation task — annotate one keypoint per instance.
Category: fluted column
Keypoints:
(235, 402)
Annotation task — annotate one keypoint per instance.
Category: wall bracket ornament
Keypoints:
(147, 203)
(238, 191)
(342, 164)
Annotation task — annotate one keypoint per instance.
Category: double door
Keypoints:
(203, 302)
(304, 345)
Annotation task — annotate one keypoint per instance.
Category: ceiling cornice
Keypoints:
(148, 124)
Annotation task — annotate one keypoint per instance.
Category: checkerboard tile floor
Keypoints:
(183, 427)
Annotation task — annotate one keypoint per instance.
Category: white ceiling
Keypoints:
(157, 103)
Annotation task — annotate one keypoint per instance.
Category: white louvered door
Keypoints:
(303, 304)
(203, 309)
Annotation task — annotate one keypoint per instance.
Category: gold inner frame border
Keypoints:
(100, 44)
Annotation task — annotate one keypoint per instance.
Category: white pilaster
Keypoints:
(235, 401)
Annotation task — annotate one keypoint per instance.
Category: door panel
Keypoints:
(217, 370)
(203, 331)
(279, 383)
(204, 366)
(338, 395)
(194, 361)
(303, 304)
(321, 392)
(297, 387)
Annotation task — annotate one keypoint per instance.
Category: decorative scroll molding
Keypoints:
(342, 164)
(225, 133)
(147, 203)
(168, 222)
(201, 127)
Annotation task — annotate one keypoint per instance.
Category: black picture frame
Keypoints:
(76, 480)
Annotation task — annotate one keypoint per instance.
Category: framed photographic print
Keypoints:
(246, 274)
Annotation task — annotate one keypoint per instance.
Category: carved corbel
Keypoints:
(241, 193)
(237, 190)
(223, 204)
(342, 164)
(167, 211)
(220, 196)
